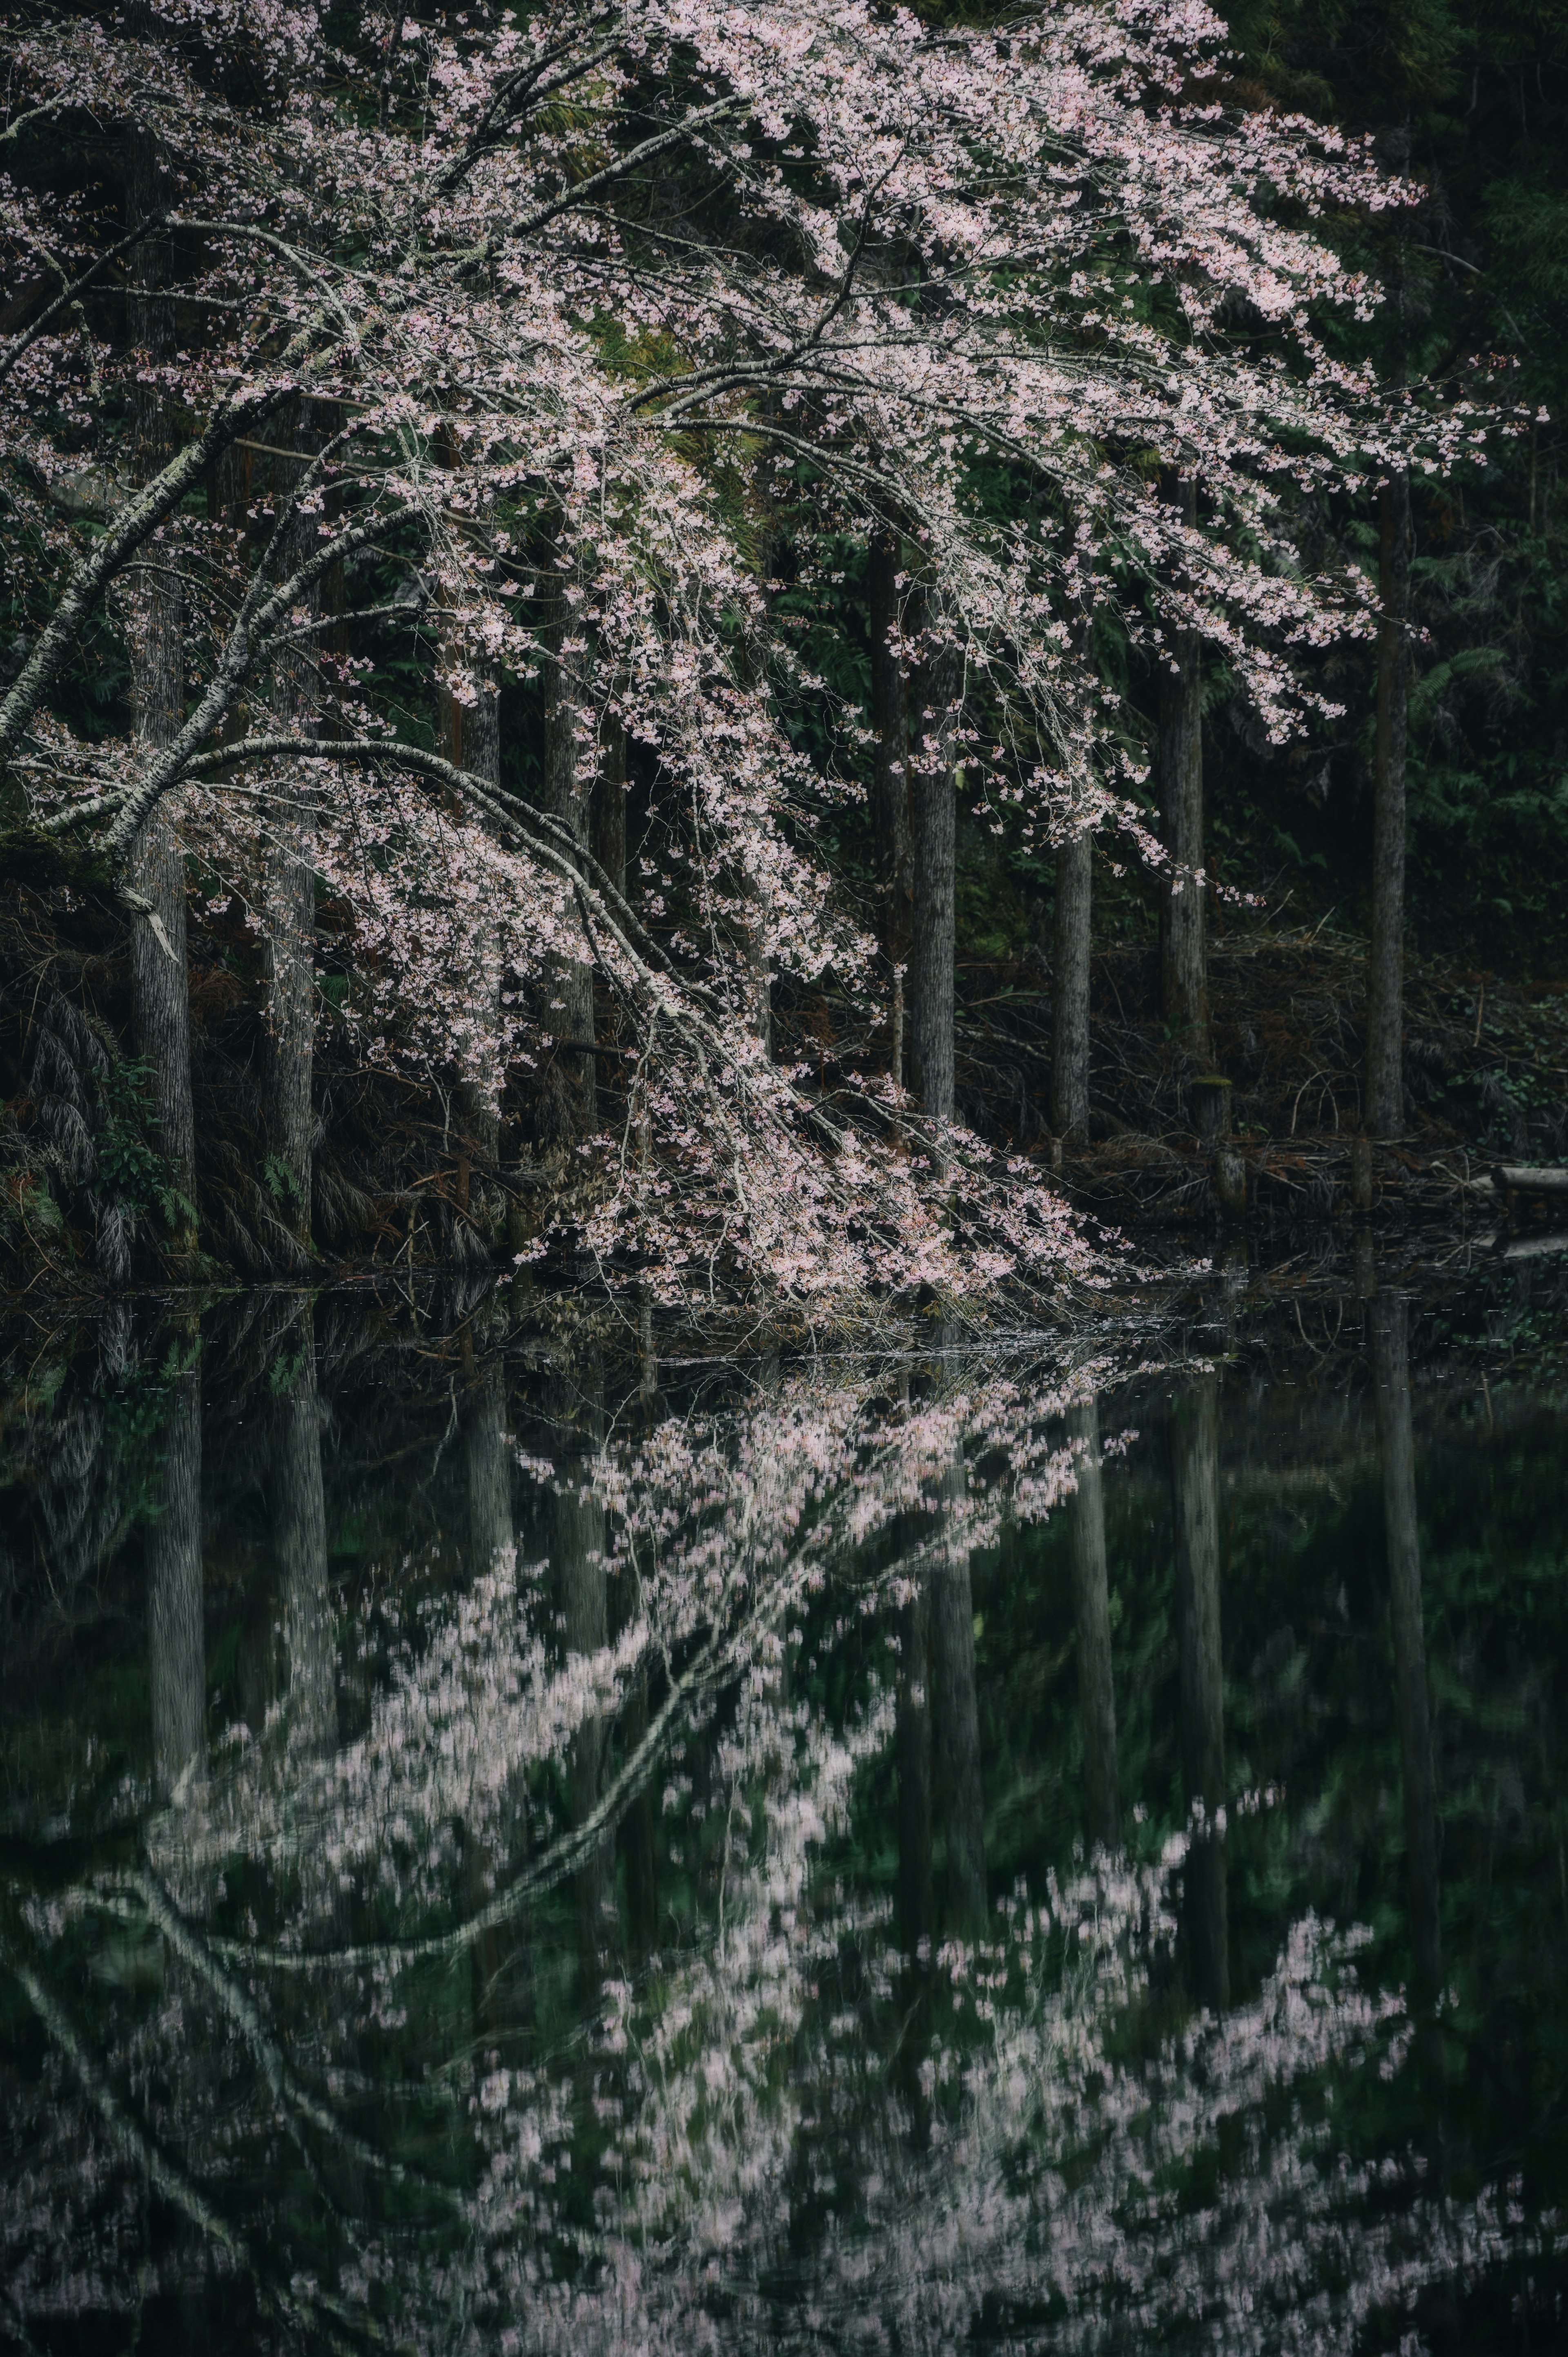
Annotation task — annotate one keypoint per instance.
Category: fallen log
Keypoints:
(1514, 1179)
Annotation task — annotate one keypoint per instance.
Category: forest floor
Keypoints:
(1485, 1066)
(1486, 1079)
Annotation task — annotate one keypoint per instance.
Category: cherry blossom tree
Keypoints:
(575, 307)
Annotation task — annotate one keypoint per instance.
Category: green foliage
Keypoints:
(129, 1161)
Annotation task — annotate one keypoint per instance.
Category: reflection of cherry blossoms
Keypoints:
(345, 2018)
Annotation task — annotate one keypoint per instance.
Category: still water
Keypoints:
(1053, 1846)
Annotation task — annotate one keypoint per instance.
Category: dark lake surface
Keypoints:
(505, 1845)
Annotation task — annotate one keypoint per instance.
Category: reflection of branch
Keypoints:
(564, 1858)
(140, 1895)
(142, 2151)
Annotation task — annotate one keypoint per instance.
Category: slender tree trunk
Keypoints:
(934, 832)
(567, 794)
(1091, 1596)
(470, 739)
(1183, 975)
(288, 910)
(160, 995)
(1195, 1464)
(1385, 961)
(176, 1629)
(1390, 1371)
(609, 801)
(912, 1734)
(299, 1546)
(1070, 989)
(890, 786)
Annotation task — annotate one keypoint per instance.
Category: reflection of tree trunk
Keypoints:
(491, 1540)
(1096, 1693)
(913, 1750)
(288, 902)
(299, 1544)
(577, 1556)
(489, 1457)
(1070, 989)
(637, 1831)
(173, 1584)
(1390, 1369)
(956, 1718)
(1195, 1460)
(934, 815)
(160, 992)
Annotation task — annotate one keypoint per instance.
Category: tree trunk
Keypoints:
(1069, 990)
(890, 787)
(1184, 976)
(288, 912)
(160, 997)
(299, 1546)
(934, 817)
(1391, 1371)
(1195, 1465)
(1096, 1689)
(569, 797)
(176, 1629)
(609, 801)
(1385, 959)
(471, 740)
(956, 1718)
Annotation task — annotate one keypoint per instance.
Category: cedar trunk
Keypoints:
(934, 815)
(568, 796)
(1070, 989)
(890, 784)
(288, 905)
(1385, 959)
(471, 740)
(160, 997)
(1183, 975)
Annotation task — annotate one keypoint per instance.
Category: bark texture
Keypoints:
(1091, 1598)
(160, 997)
(176, 1626)
(288, 909)
(1195, 1470)
(934, 828)
(1069, 990)
(1390, 1371)
(1385, 956)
